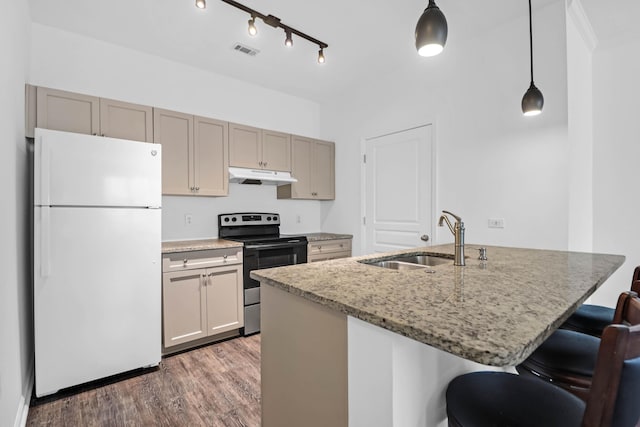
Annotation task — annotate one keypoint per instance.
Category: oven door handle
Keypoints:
(288, 244)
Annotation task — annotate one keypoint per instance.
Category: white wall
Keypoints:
(16, 350)
(492, 161)
(76, 63)
(616, 158)
(580, 45)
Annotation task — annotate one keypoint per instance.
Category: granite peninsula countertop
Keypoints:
(316, 237)
(198, 245)
(495, 312)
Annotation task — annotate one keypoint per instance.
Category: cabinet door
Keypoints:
(67, 111)
(276, 151)
(323, 171)
(174, 131)
(211, 157)
(301, 149)
(126, 121)
(245, 146)
(225, 311)
(184, 306)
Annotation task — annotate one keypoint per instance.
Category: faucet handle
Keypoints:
(453, 215)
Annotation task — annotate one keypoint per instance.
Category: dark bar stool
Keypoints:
(568, 358)
(482, 399)
(592, 319)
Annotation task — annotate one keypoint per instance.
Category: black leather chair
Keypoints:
(568, 358)
(592, 319)
(496, 399)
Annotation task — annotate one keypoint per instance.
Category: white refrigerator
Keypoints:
(97, 257)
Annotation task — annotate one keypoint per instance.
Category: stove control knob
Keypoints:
(275, 218)
(226, 219)
(234, 219)
(268, 218)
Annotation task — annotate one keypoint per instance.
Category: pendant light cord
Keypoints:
(530, 42)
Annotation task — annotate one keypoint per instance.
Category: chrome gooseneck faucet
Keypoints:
(458, 233)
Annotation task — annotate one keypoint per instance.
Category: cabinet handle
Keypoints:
(197, 188)
(184, 262)
(94, 134)
(264, 164)
(224, 259)
(102, 134)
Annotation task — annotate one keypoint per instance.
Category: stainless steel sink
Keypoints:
(396, 265)
(424, 260)
(412, 262)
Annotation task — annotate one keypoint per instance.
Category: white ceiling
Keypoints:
(365, 37)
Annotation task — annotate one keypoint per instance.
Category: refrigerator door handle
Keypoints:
(45, 241)
(45, 173)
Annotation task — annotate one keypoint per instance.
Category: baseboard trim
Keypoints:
(25, 400)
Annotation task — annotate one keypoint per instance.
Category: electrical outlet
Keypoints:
(298, 219)
(188, 219)
(496, 222)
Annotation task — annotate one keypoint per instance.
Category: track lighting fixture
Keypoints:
(431, 31)
(253, 30)
(288, 41)
(201, 4)
(532, 101)
(274, 22)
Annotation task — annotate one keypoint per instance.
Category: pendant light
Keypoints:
(532, 101)
(431, 31)
(201, 4)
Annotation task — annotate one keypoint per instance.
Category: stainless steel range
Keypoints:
(263, 248)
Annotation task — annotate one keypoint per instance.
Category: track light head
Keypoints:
(253, 30)
(288, 41)
(321, 56)
(431, 31)
(201, 4)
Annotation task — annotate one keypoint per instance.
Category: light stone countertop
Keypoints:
(316, 237)
(198, 245)
(494, 313)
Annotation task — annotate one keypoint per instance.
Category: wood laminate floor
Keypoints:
(215, 385)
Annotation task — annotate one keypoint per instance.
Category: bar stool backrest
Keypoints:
(615, 389)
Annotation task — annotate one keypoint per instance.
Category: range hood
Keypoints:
(259, 176)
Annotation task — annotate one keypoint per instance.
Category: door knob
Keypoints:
(424, 238)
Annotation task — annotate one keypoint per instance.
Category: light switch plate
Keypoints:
(496, 222)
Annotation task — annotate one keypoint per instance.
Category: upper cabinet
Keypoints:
(71, 112)
(194, 154)
(126, 121)
(196, 151)
(313, 165)
(256, 148)
(74, 112)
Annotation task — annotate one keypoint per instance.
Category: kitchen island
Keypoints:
(348, 343)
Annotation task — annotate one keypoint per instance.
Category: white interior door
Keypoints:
(399, 182)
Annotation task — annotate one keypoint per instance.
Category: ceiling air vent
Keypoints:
(245, 49)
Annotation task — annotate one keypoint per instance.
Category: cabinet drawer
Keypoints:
(329, 246)
(180, 261)
(328, 256)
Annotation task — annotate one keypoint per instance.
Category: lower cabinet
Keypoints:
(200, 303)
(323, 250)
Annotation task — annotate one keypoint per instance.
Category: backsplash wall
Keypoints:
(242, 198)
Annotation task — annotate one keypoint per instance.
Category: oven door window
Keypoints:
(255, 259)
